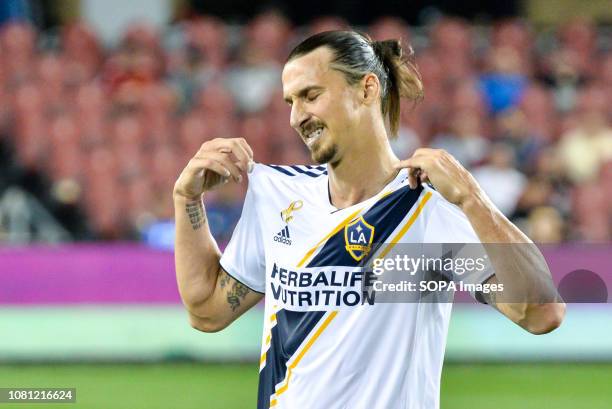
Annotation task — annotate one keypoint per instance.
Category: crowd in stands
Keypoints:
(110, 127)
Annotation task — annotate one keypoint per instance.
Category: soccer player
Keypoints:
(305, 232)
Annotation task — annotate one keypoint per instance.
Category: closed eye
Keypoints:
(308, 94)
(311, 97)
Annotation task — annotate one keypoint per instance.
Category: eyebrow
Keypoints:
(304, 91)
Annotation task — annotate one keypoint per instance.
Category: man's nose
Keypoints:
(298, 116)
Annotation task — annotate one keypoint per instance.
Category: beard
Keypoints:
(321, 155)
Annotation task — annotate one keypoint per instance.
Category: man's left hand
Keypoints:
(443, 171)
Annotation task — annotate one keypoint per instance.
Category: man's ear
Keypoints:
(371, 88)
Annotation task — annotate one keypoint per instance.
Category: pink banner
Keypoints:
(97, 274)
(133, 273)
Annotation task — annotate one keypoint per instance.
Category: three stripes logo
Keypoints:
(283, 236)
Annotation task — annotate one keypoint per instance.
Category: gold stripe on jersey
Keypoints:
(285, 384)
(262, 359)
(324, 239)
(406, 227)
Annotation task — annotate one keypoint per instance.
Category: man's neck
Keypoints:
(362, 173)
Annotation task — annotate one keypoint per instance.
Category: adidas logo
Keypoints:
(283, 236)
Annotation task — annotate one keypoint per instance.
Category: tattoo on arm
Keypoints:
(490, 298)
(195, 211)
(224, 279)
(236, 291)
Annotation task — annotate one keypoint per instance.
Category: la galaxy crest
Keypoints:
(358, 237)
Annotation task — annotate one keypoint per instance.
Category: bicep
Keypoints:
(229, 300)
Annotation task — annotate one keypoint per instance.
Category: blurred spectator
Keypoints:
(500, 180)
(512, 129)
(136, 63)
(545, 225)
(505, 82)
(451, 41)
(538, 192)
(585, 148)
(255, 79)
(464, 140)
(579, 36)
(194, 131)
(201, 58)
(81, 51)
(517, 35)
(277, 117)
(591, 214)
(17, 45)
(537, 105)
(563, 75)
(255, 130)
(547, 185)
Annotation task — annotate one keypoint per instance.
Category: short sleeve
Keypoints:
(244, 256)
(448, 225)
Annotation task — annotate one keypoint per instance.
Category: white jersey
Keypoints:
(324, 345)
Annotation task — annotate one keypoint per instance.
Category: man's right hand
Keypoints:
(214, 164)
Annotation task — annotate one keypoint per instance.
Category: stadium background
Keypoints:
(103, 102)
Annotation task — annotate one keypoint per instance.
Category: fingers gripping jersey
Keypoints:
(325, 344)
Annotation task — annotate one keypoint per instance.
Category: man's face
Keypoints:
(323, 105)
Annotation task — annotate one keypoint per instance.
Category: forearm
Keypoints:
(196, 253)
(519, 266)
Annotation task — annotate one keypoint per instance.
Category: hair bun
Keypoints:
(388, 47)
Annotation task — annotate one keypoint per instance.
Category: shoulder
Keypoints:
(436, 203)
(446, 222)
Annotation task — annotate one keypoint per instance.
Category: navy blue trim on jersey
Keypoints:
(385, 216)
(290, 331)
(247, 286)
(316, 167)
(281, 170)
(306, 172)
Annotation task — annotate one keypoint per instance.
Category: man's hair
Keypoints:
(355, 55)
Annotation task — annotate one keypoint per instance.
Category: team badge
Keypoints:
(358, 236)
(287, 214)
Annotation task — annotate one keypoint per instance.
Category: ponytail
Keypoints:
(403, 79)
